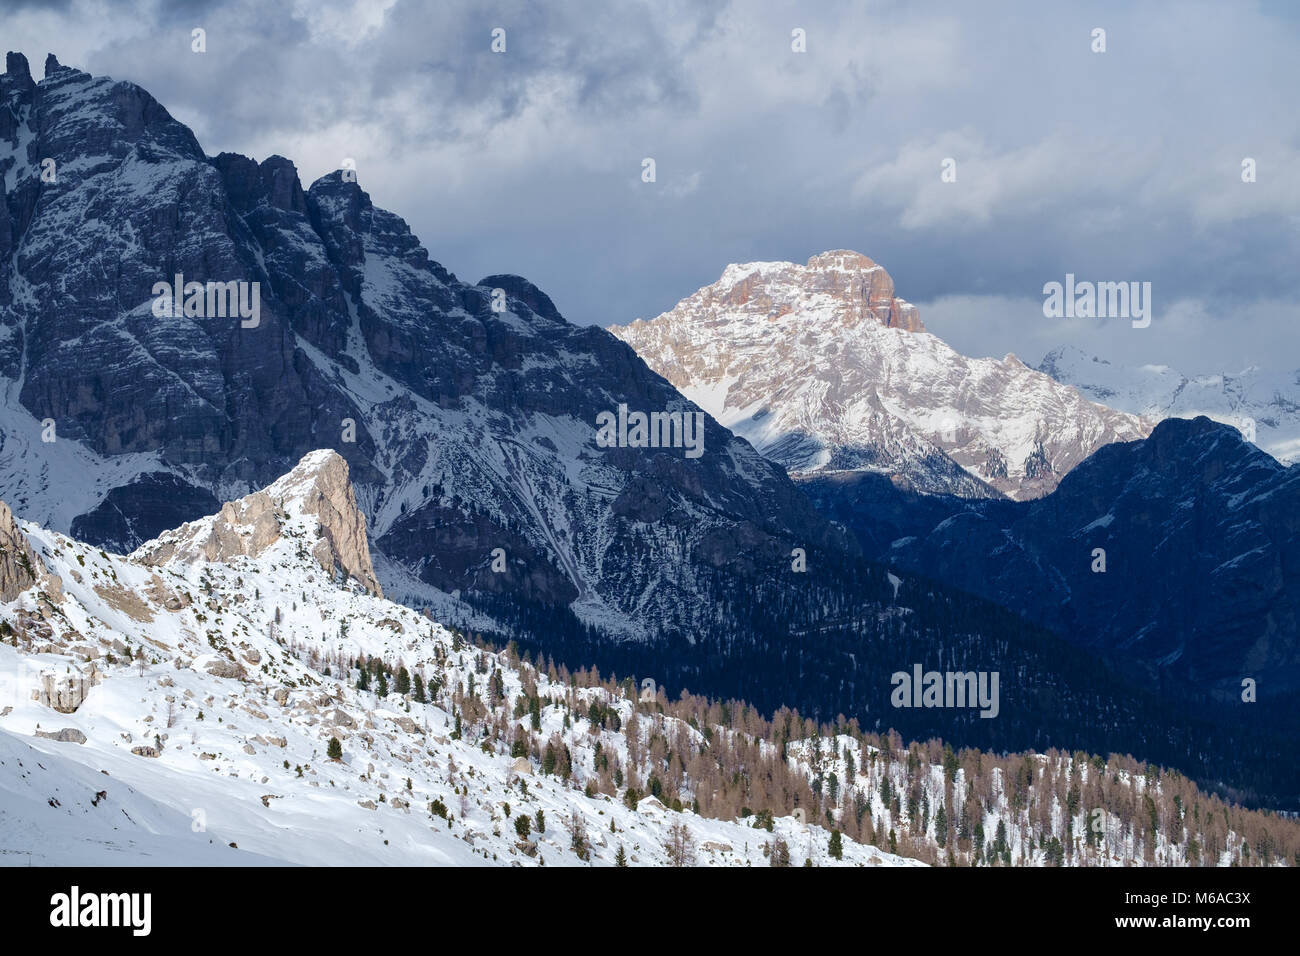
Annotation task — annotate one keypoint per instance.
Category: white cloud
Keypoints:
(1123, 165)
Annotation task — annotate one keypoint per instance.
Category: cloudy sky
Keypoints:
(1122, 165)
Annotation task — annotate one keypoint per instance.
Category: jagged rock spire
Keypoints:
(319, 487)
(19, 565)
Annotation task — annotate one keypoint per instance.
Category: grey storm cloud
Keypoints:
(1122, 165)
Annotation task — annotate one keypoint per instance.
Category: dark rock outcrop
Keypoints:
(1201, 539)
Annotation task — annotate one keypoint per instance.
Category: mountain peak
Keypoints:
(316, 497)
(273, 181)
(525, 292)
(843, 259)
(822, 368)
(846, 288)
(17, 73)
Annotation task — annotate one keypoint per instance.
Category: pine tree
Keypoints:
(381, 688)
(419, 690)
(836, 847)
(548, 759)
(403, 681)
(577, 828)
(620, 858)
(335, 749)
(780, 853)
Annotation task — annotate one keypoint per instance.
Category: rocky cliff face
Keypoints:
(467, 416)
(18, 564)
(860, 290)
(824, 370)
(318, 492)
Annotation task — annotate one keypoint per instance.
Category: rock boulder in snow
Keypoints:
(66, 691)
(68, 735)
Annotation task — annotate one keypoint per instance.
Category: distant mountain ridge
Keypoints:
(824, 370)
(1177, 556)
(1264, 406)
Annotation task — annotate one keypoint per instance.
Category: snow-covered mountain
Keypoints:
(468, 412)
(823, 370)
(1253, 400)
(197, 683)
(179, 706)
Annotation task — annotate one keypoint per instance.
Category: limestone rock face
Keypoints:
(65, 692)
(318, 488)
(326, 492)
(853, 288)
(19, 566)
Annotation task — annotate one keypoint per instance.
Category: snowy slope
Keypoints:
(197, 696)
(809, 365)
(57, 811)
(241, 758)
(1269, 401)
